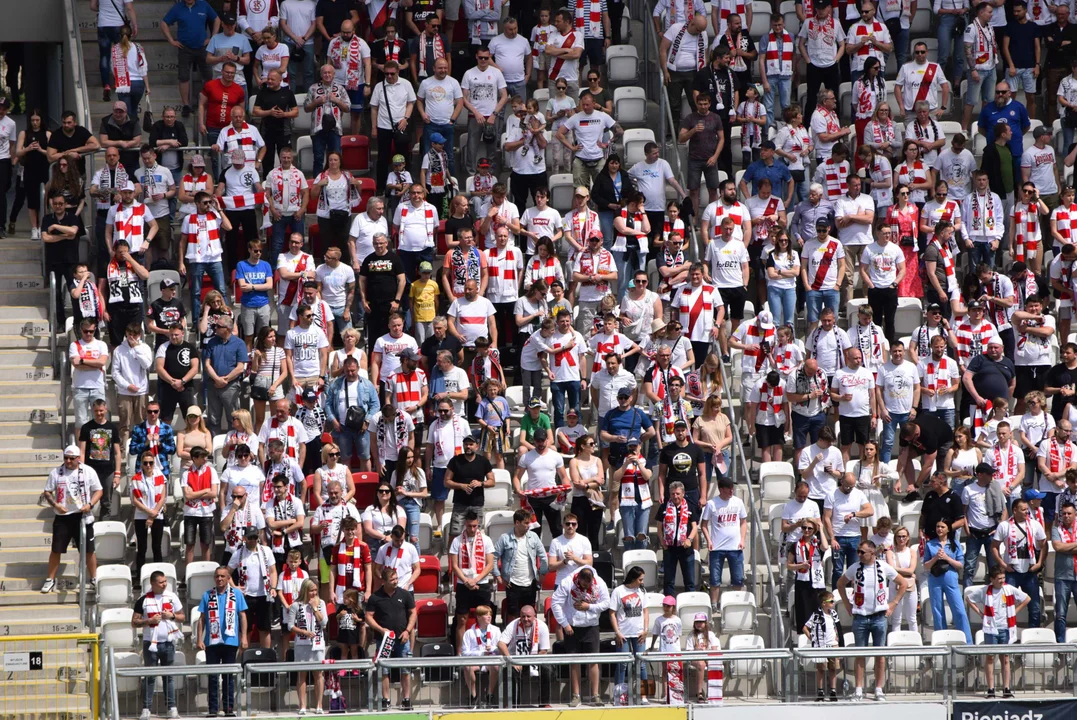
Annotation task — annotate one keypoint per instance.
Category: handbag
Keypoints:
(400, 137)
(260, 385)
(355, 417)
(1070, 120)
(147, 117)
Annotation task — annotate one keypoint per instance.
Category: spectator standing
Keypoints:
(71, 491)
(159, 613)
(221, 629)
(1019, 546)
(725, 526)
(298, 28)
(777, 61)
(922, 80)
(102, 452)
(511, 54)
(215, 104)
(257, 572)
(679, 525)
(192, 19)
(230, 46)
(440, 100)
(982, 56)
(73, 140)
(704, 132)
(111, 18)
(1021, 52)
(682, 53)
(577, 604)
(468, 475)
(89, 357)
(471, 562)
(842, 511)
(943, 559)
(226, 363)
(485, 93)
(821, 43)
(276, 107)
(520, 561)
(1064, 543)
(392, 610)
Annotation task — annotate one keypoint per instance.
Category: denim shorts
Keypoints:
(1001, 638)
(357, 98)
(718, 558)
(1023, 80)
(873, 626)
(438, 491)
(400, 650)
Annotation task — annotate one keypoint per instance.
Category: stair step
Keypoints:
(16, 500)
(26, 539)
(19, 470)
(23, 597)
(33, 442)
(29, 251)
(21, 429)
(36, 341)
(19, 281)
(36, 412)
(18, 391)
(27, 512)
(10, 572)
(26, 372)
(37, 358)
(26, 327)
(51, 456)
(29, 615)
(23, 312)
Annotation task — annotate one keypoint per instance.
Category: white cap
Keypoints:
(765, 318)
(129, 186)
(72, 451)
(995, 340)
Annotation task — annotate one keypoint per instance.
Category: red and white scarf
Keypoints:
(433, 41)
(121, 75)
(154, 606)
(675, 523)
(772, 401)
(130, 225)
(1058, 460)
(835, 174)
(286, 188)
(350, 567)
(203, 235)
(936, 376)
(701, 49)
(991, 623)
(291, 445)
(472, 557)
(290, 583)
(779, 55)
(428, 216)
(1026, 222)
(808, 552)
(199, 479)
(877, 134)
(589, 18)
(1005, 468)
(947, 264)
(756, 335)
(213, 613)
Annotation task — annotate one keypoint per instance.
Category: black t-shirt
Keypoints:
(178, 359)
(432, 345)
(934, 434)
(64, 252)
(391, 612)
(421, 11)
(1060, 376)
(380, 272)
(991, 378)
(693, 508)
(101, 440)
(464, 472)
(333, 13)
(453, 225)
(719, 83)
(60, 141)
(681, 464)
(166, 314)
(267, 99)
(937, 507)
(378, 53)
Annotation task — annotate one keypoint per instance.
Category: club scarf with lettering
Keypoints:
(675, 523)
(559, 493)
(1005, 469)
(307, 619)
(153, 606)
(980, 223)
(772, 400)
(809, 552)
(880, 586)
(701, 49)
(121, 74)
(350, 567)
(991, 623)
(213, 612)
(472, 557)
(285, 510)
(433, 42)
(779, 55)
(589, 18)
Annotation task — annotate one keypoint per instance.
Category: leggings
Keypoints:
(590, 519)
(156, 533)
(905, 611)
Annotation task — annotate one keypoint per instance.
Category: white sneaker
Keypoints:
(145, 714)
(35, 233)
(173, 713)
(858, 696)
(644, 701)
(879, 697)
(48, 587)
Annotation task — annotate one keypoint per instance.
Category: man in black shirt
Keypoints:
(392, 609)
(467, 475)
(99, 441)
(72, 139)
(682, 461)
(275, 105)
(940, 503)
(440, 340)
(381, 288)
(60, 231)
(331, 13)
(389, 48)
(120, 130)
(678, 531)
(166, 312)
(1059, 40)
(1062, 381)
(177, 364)
(990, 375)
(922, 437)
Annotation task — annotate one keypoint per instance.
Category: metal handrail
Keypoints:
(1014, 649)
(746, 654)
(52, 320)
(82, 572)
(74, 49)
(811, 653)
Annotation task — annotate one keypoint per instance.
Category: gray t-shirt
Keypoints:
(1063, 561)
(702, 145)
(932, 254)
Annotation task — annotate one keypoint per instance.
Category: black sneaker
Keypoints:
(473, 701)
(819, 696)
(1007, 693)
(106, 94)
(491, 701)
(990, 693)
(833, 696)
(405, 704)
(186, 111)
(385, 704)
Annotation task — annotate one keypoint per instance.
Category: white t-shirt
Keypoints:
(1036, 427)
(882, 262)
(827, 347)
(821, 484)
(821, 40)
(1033, 349)
(545, 223)
(838, 504)
(1014, 547)
(628, 604)
(249, 478)
(299, 15)
(909, 79)
(390, 349)
(668, 632)
(363, 231)
(305, 346)
(942, 378)
(978, 595)
(686, 59)
(400, 94)
(483, 88)
(956, 169)
(439, 98)
(87, 378)
(447, 439)
(580, 547)
(455, 381)
(854, 233)
(509, 54)
(794, 511)
(898, 383)
(974, 498)
(73, 489)
(725, 517)
(529, 158)
(589, 130)
(471, 318)
(157, 181)
(108, 13)
(726, 261)
(813, 255)
(542, 470)
(1041, 164)
(569, 70)
(859, 383)
(254, 568)
(383, 522)
(519, 643)
(335, 283)
(271, 60)
(403, 558)
(651, 181)
(870, 604)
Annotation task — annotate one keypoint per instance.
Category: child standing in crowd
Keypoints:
(998, 604)
(540, 35)
(493, 417)
(823, 630)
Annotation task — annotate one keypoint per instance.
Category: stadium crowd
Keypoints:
(450, 336)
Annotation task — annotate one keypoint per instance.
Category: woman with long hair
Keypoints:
(783, 269)
(805, 559)
(630, 246)
(310, 622)
(903, 222)
(962, 459)
(639, 307)
(944, 559)
(587, 474)
(701, 638)
(794, 145)
(868, 91)
(881, 133)
(531, 308)
(269, 368)
(906, 558)
(242, 433)
(608, 192)
(544, 266)
(130, 72)
(270, 56)
(148, 496)
(713, 433)
(382, 516)
(32, 172)
(213, 312)
(67, 181)
(194, 434)
(352, 348)
(559, 108)
(869, 472)
(411, 489)
(338, 193)
(194, 181)
(914, 174)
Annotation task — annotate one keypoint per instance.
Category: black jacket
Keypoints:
(992, 165)
(602, 193)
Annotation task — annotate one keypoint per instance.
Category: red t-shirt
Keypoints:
(219, 102)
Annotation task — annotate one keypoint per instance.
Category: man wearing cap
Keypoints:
(123, 132)
(131, 221)
(236, 190)
(578, 603)
(766, 167)
(226, 362)
(534, 417)
(935, 325)
(682, 462)
(624, 426)
(256, 569)
(1019, 545)
(971, 336)
(230, 46)
(71, 491)
(166, 312)
(823, 269)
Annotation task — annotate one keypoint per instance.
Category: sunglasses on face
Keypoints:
(147, 463)
(153, 412)
(238, 496)
(919, 52)
(384, 492)
(336, 454)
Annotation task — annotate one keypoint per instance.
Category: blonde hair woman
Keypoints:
(309, 625)
(332, 469)
(195, 434)
(213, 311)
(130, 72)
(713, 433)
(242, 433)
(269, 366)
(350, 338)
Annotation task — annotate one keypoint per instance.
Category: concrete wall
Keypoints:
(38, 21)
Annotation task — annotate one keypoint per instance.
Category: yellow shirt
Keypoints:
(424, 300)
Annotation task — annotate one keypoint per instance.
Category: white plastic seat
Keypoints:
(690, 603)
(113, 584)
(738, 611)
(760, 19)
(304, 154)
(110, 541)
(951, 637)
(426, 532)
(622, 63)
(789, 13)
(1038, 636)
(630, 105)
(635, 139)
(199, 578)
(909, 315)
(149, 568)
(496, 497)
(541, 95)
(514, 394)
(645, 559)
(561, 189)
(746, 667)
(301, 122)
(908, 516)
(908, 664)
(498, 523)
(774, 522)
(116, 629)
(777, 480)
(127, 659)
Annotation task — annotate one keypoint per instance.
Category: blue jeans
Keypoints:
(517, 88)
(352, 443)
(982, 253)
(605, 223)
(671, 557)
(412, 510)
(559, 389)
(783, 304)
(806, 429)
(1064, 590)
(411, 260)
(133, 98)
(106, 38)
(221, 655)
(1028, 582)
(819, 299)
(945, 587)
(322, 143)
(843, 554)
(947, 41)
(448, 132)
(632, 645)
(280, 231)
(871, 627)
(718, 558)
(194, 279)
(780, 87)
(164, 656)
(1067, 138)
(972, 556)
(633, 525)
(889, 430)
(302, 78)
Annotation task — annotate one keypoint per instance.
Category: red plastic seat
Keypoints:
(366, 486)
(441, 241)
(433, 619)
(549, 581)
(367, 188)
(235, 288)
(355, 152)
(429, 575)
(551, 621)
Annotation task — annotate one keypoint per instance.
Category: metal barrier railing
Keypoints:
(1058, 658)
(126, 683)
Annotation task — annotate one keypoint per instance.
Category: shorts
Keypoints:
(202, 527)
(698, 171)
(718, 558)
(873, 626)
(307, 653)
(1029, 378)
(807, 429)
(468, 599)
(855, 430)
(259, 613)
(542, 62)
(350, 636)
(65, 532)
(734, 298)
(583, 640)
(358, 99)
(400, 650)
(251, 320)
(327, 560)
(594, 52)
(438, 491)
(456, 521)
(193, 56)
(1001, 638)
(768, 435)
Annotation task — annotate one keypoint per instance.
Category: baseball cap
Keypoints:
(680, 423)
(470, 439)
(194, 410)
(572, 412)
(669, 600)
(252, 532)
(632, 442)
(410, 354)
(624, 392)
(934, 307)
(536, 403)
(541, 434)
(975, 304)
(437, 138)
(310, 394)
(700, 617)
(1041, 131)
(485, 163)
(995, 340)
(119, 105)
(398, 159)
(1033, 494)
(238, 154)
(72, 451)
(129, 186)
(228, 19)
(425, 266)
(197, 160)
(168, 283)
(822, 223)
